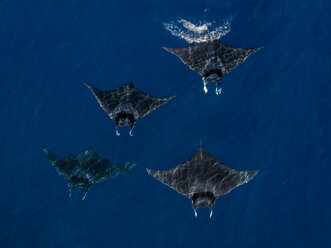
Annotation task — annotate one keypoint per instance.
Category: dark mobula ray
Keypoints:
(212, 59)
(127, 104)
(85, 168)
(203, 179)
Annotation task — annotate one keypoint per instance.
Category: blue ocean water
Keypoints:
(273, 115)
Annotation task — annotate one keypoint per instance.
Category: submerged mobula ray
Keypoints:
(127, 104)
(212, 59)
(85, 168)
(203, 179)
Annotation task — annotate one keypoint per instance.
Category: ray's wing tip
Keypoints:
(91, 87)
(252, 173)
(87, 85)
(170, 98)
(151, 172)
(171, 50)
(51, 156)
(44, 149)
(256, 49)
(164, 100)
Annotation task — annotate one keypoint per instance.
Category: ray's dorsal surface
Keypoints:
(203, 179)
(85, 168)
(212, 59)
(127, 104)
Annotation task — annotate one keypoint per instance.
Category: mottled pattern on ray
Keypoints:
(212, 59)
(202, 173)
(85, 168)
(128, 102)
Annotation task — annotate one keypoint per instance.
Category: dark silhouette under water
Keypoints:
(127, 104)
(86, 168)
(203, 179)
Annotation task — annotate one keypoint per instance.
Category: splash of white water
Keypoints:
(197, 33)
(196, 29)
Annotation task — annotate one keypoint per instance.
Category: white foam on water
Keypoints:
(202, 32)
(196, 29)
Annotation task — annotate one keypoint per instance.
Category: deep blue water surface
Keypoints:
(273, 115)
